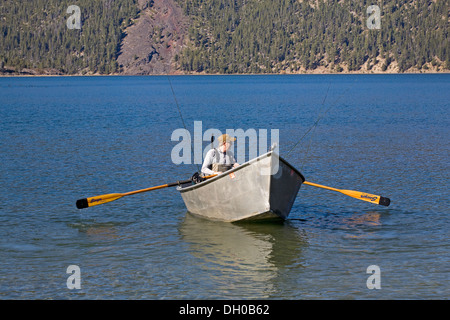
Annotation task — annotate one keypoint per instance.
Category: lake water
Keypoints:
(66, 138)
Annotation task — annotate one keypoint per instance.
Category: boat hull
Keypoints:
(260, 189)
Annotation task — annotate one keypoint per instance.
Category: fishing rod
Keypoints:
(384, 201)
(320, 116)
(105, 198)
(179, 112)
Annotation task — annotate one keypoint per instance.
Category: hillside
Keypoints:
(36, 40)
(222, 36)
(266, 36)
(151, 43)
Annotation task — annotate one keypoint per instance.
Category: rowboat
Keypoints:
(263, 188)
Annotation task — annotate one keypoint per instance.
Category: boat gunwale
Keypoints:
(246, 164)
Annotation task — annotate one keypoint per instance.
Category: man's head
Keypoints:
(225, 141)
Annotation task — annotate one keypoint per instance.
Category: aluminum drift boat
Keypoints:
(262, 188)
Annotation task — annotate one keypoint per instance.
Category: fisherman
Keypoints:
(220, 159)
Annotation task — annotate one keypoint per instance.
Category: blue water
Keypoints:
(65, 138)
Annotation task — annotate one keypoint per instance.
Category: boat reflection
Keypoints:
(243, 258)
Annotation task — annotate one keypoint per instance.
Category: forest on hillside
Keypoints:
(35, 34)
(245, 36)
(233, 36)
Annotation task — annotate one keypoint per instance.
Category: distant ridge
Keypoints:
(223, 37)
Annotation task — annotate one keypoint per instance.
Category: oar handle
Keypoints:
(173, 184)
(168, 185)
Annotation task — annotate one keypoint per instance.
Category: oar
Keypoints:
(105, 198)
(356, 194)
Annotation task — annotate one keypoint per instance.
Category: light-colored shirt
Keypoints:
(216, 156)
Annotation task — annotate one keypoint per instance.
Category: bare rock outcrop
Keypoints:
(154, 39)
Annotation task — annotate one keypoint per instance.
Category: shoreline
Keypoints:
(218, 74)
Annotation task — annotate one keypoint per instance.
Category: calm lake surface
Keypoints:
(66, 138)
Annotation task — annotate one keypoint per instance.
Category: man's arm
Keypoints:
(208, 162)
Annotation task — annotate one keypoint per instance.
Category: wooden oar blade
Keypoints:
(93, 201)
(372, 198)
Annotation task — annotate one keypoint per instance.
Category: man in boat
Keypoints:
(220, 159)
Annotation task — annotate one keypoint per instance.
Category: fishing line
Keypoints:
(176, 102)
(314, 124)
(312, 128)
(308, 148)
(181, 116)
